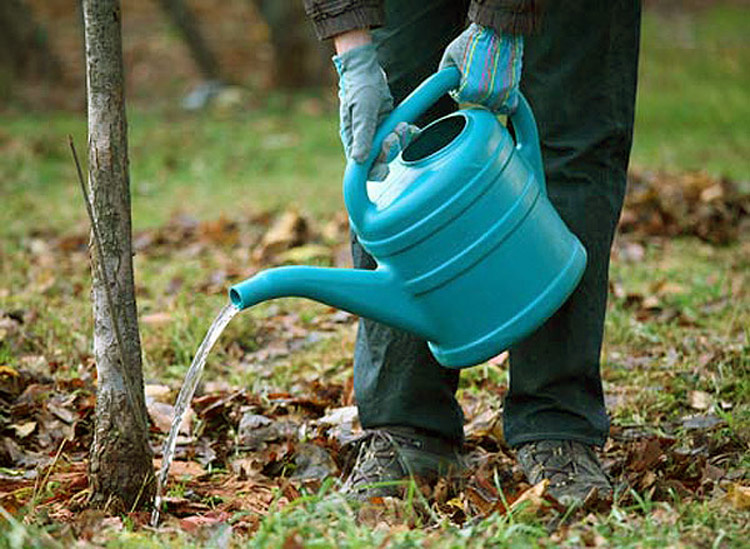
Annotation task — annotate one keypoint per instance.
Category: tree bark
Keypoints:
(300, 60)
(121, 470)
(183, 19)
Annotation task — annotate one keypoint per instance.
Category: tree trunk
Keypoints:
(300, 59)
(185, 22)
(121, 470)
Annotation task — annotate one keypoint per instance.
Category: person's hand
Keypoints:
(490, 66)
(365, 101)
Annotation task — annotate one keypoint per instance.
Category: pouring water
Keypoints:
(183, 400)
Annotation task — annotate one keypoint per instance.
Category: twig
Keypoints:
(147, 478)
(110, 302)
(40, 489)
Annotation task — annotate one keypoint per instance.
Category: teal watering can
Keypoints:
(471, 254)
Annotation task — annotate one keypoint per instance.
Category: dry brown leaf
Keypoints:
(157, 392)
(24, 429)
(220, 231)
(194, 523)
(289, 230)
(339, 416)
(646, 453)
(337, 229)
(182, 469)
(670, 204)
(699, 400)
(6, 370)
(487, 424)
(532, 500)
(162, 414)
(739, 496)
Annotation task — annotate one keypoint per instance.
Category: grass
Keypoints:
(693, 111)
(204, 165)
(693, 107)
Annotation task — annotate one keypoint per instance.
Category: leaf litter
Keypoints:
(243, 454)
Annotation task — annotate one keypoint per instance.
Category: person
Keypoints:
(576, 63)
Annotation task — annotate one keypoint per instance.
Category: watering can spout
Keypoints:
(372, 294)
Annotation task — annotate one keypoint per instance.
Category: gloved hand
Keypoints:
(365, 101)
(490, 66)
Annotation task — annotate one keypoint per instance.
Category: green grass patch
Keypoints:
(693, 106)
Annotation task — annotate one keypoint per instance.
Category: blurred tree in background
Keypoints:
(299, 59)
(169, 47)
(185, 21)
(24, 50)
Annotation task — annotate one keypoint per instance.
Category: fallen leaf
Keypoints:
(700, 400)
(182, 507)
(532, 500)
(480, 501)
(255, 430)
(313, 462)
(739, 496)
(197, 522)
(24, 429)
(645, 454)
(337, 229)
(338, 416)
(62, 413)
(157, 392)
(289, 230)
(488, 424)
(6, 370)
(219, 231)
(714, 192)
(162, 414)
(182, 469)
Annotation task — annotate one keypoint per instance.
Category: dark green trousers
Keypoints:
(579, 75)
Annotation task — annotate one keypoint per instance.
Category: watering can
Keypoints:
(471, 254)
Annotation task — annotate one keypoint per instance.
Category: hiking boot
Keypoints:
(572, 468)
(387, 457)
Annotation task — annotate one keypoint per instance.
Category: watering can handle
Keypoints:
(527, 139)
(428, 92)
(422, 98)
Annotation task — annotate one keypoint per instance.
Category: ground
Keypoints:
(221, 194)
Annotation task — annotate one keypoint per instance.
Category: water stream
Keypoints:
(183, 400)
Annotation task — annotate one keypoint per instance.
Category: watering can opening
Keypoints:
(235, 297)
(434, 138)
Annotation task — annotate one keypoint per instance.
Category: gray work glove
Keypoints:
(365, 101)
(490, 65)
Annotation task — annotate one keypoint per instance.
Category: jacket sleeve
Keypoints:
(511, 16)
(332, 17)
